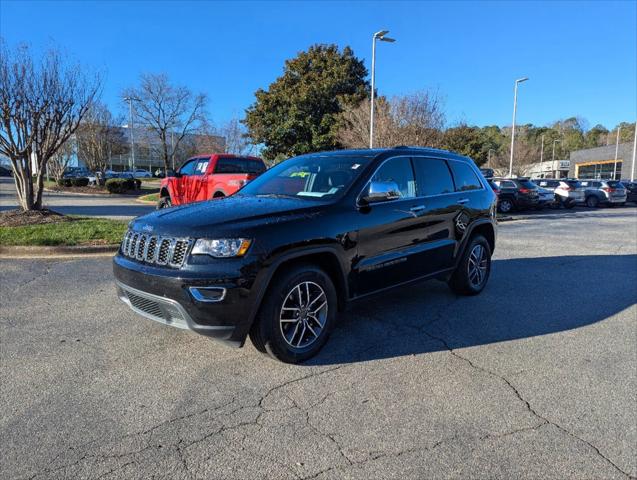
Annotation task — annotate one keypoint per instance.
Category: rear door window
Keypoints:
(464, 176)
(432, 176)
(202, 166)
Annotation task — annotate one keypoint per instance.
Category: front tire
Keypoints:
(474, 268)
(592, 201)
(297, 315)
(164, 202)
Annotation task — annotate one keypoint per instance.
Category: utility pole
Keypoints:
(515, 106)
(489, 158)
(377, 36)
(616, 152)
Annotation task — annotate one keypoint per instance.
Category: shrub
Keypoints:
(118, 185)
(79, 182)
(60, 181)
(67, 182)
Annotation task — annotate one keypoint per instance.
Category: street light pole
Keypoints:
(130, 125)
(619, 129)
(489, 157)
(542, 157)
(515, 106)
(632, 171)
(377, 36)
(553, 156)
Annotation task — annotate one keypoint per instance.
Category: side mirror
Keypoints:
(382, 192)
(172, 173)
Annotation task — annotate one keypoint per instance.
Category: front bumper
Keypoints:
(165, 296)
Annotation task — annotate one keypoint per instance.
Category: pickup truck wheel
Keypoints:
(592, 201)
(164, 202)
(297, 315)
(474, 268)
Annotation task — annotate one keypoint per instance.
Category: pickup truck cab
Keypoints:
(209, 176)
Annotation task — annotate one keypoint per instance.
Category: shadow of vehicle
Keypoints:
(525, 297)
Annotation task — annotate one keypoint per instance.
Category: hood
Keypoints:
(226, 214)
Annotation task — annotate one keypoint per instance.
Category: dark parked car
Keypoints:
(6, 172)
(516, 194)
(631, 190)
(278, 259)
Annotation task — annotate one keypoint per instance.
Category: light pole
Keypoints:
(619, 129)
(130, 125)
(542, 157)
(515, 107)
(632, 171)
(489, 157)
(377, 36)
(553, 156)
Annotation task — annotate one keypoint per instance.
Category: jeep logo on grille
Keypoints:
(147, 228)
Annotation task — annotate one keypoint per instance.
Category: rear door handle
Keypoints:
(462, 201)
(417, 208)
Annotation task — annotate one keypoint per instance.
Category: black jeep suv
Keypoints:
(278, 259)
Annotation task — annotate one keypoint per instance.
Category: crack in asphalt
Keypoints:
(526, 403)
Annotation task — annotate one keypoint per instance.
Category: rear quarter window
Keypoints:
(464, 176)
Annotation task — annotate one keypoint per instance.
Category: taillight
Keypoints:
(237, 183)
(608, 189)
(524, 190)
(567, 188)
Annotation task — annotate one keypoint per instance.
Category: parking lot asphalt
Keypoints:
(534, 378)
(106, 206)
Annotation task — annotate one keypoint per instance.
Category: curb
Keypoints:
(99, 195)
(145, 202)
(58, 252)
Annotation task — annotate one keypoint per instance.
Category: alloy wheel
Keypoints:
(303, 314)
(477, 266)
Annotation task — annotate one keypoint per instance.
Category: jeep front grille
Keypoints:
(156, 250)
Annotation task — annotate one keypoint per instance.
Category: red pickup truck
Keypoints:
(208, 176)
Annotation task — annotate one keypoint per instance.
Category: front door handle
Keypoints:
(462, 201)
(417, 208)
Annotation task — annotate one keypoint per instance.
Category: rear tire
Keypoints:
(219, 195)
(473, 270)
(288, 333)
(164, 202)
(592, 201)
(505, 206)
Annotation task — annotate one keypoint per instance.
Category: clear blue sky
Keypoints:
(580, 56)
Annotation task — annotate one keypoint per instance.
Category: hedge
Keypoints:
(79, 182)
(121, 185)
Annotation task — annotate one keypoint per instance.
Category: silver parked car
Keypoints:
(603, 192)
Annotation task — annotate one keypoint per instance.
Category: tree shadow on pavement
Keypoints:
(525, 297)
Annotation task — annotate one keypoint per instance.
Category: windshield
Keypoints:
(310, 177)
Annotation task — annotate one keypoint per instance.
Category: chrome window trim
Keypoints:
(444, 159)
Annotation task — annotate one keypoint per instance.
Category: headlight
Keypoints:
(222, 247)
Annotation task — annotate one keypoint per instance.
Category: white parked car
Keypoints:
(567, 192)
(141, 173)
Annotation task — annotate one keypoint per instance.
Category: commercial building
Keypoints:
(600, 162)
(550, 169)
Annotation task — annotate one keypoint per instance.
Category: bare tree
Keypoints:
(98, 138)
(236, 137)
(415, 119)
(171, 112)
(41, 106)
(58, 162)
